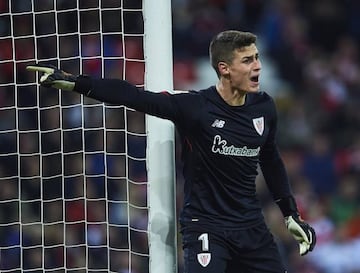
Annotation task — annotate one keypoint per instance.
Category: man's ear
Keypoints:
(223, 69)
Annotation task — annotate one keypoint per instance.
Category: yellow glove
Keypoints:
(303, 233)
(54, 77)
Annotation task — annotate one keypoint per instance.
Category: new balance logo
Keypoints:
(218, 123)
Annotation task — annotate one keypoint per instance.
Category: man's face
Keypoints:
(244, 71)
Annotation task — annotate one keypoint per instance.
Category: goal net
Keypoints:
(73, 171)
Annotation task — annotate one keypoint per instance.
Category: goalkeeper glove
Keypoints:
(303, 233)
(54, 77)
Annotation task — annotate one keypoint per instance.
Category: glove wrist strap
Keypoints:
(288, 206)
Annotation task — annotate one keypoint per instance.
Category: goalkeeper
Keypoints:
(226, 130)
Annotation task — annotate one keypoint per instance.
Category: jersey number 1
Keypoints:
(204, 238)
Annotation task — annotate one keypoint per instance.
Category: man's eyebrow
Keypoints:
(250, 56)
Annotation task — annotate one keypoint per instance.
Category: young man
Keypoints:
(226, 131)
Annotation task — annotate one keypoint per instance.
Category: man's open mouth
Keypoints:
(255, 78)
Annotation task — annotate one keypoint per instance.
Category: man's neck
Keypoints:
(233, 97)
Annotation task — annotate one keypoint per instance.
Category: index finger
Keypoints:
(40, 69)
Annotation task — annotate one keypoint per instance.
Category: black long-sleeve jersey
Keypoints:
(223, 146)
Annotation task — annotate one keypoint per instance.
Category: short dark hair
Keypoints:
(224, 44)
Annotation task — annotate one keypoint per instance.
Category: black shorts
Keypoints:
(251, 250)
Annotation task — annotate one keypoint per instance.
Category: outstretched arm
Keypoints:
(114, 91)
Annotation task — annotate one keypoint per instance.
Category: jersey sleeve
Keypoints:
(272, 165)
(175, 107)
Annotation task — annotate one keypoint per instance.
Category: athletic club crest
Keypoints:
(259, 125)
(204, 259)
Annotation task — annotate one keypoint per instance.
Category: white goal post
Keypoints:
(85, 186)
(160, 156)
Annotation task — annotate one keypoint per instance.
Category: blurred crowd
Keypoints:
(70, 210)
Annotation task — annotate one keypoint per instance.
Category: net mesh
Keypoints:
(72, 170)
